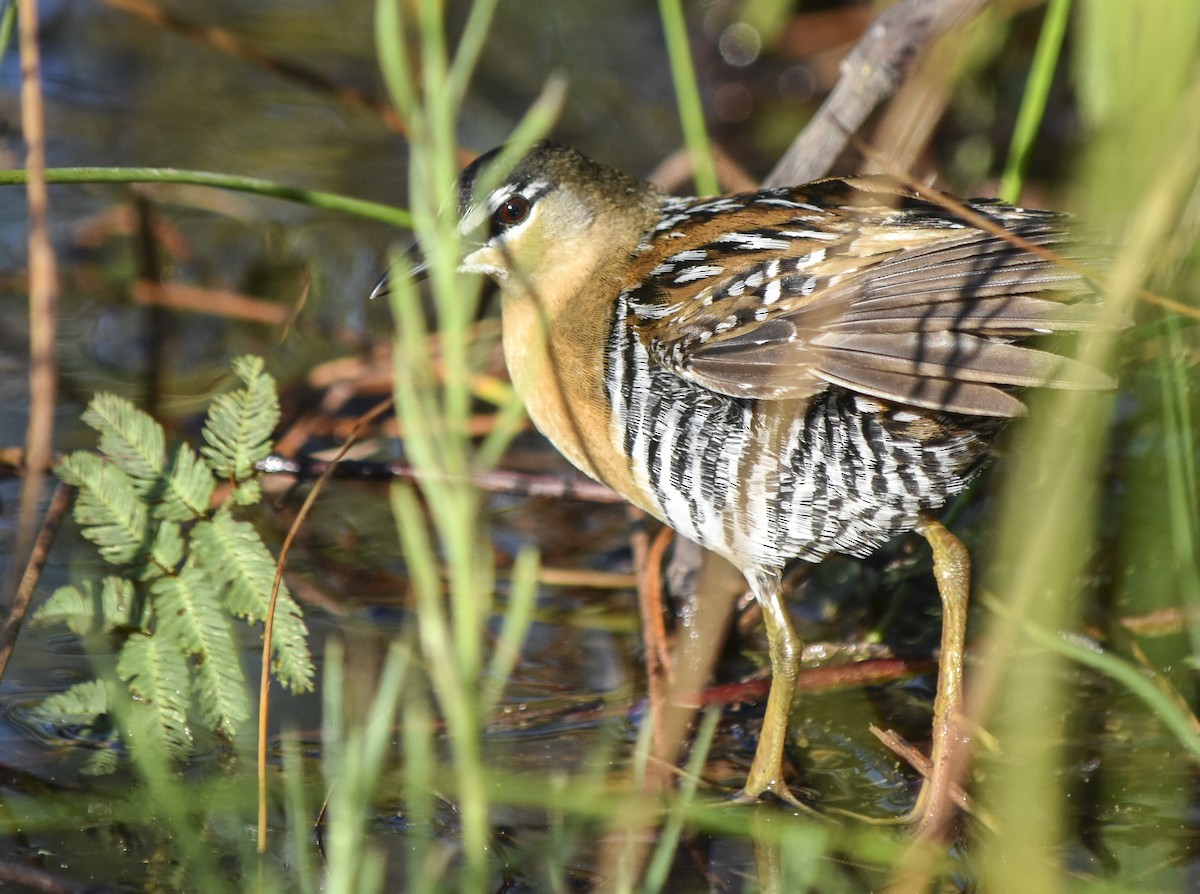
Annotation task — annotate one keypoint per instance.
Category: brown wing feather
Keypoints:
(781, 298)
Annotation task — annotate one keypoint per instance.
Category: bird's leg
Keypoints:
(952, 568)
(766, 773)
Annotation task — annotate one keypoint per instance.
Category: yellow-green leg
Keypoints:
(952, 568)
(766, 773)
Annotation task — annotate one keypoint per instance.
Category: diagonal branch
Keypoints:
(878, 64)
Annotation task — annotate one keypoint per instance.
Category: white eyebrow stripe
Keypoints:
(531, 191)
(479, 211)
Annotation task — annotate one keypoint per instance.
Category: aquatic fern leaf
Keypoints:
(247, 493)
(188, 487)
(190, 614)
(187, 567)
(167, 549)
(232, 553)
(95, 607)
(239, 424)
(108, 509)
(82, 713)
(178, 490)
(112, 515)
(78, 707)
(156, 672)
(130, 438)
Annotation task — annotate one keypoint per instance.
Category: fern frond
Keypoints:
(189, 487)
(135, 443)
(156, 672)
(78, 706)
(233, 554)
(130, 438)
(247, 493)
(91, 607)
(81, 712)
(166, 551)
(107, 509)
(112, 514)
(136, 503)
(239, 424)
(189, 613)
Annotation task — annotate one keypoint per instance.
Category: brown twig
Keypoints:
(647, 559)
(59, 504)
(871, 72)
(856, 674)
(676, 169)
(916, 759)
(43, 291)
(218, 302)
(496, 481)
(652, 618)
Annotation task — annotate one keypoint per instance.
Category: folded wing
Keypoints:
(909, 304)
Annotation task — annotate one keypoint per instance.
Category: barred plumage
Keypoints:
(777, 375)
(757, 481)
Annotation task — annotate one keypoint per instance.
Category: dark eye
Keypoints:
(511, 212)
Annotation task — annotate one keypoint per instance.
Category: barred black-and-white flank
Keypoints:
(842, 473)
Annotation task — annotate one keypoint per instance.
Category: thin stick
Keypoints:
(43, 289)
(871, 72)
(495, 481)
(59, 503)
(264, 682)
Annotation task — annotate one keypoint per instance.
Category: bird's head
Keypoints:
(551, 219)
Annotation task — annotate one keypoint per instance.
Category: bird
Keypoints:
(780, 374)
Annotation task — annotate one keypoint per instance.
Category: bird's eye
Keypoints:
(510, 212)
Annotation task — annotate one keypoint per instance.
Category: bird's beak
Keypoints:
(418, 270)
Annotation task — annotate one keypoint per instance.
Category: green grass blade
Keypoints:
(1033, 104)
(687, 92)
(254, 185)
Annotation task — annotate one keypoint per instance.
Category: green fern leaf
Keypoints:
(78, 706)
(130, 438)
(107, 509)
(157, 674)
(112, 515)
(82, 713)
(190, 614)
(189, 487)
(239, 424)
(166, 551)
(247, 493)
(134, 442)
(233, 555)
(91, 608)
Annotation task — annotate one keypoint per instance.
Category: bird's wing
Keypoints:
(781, 294)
